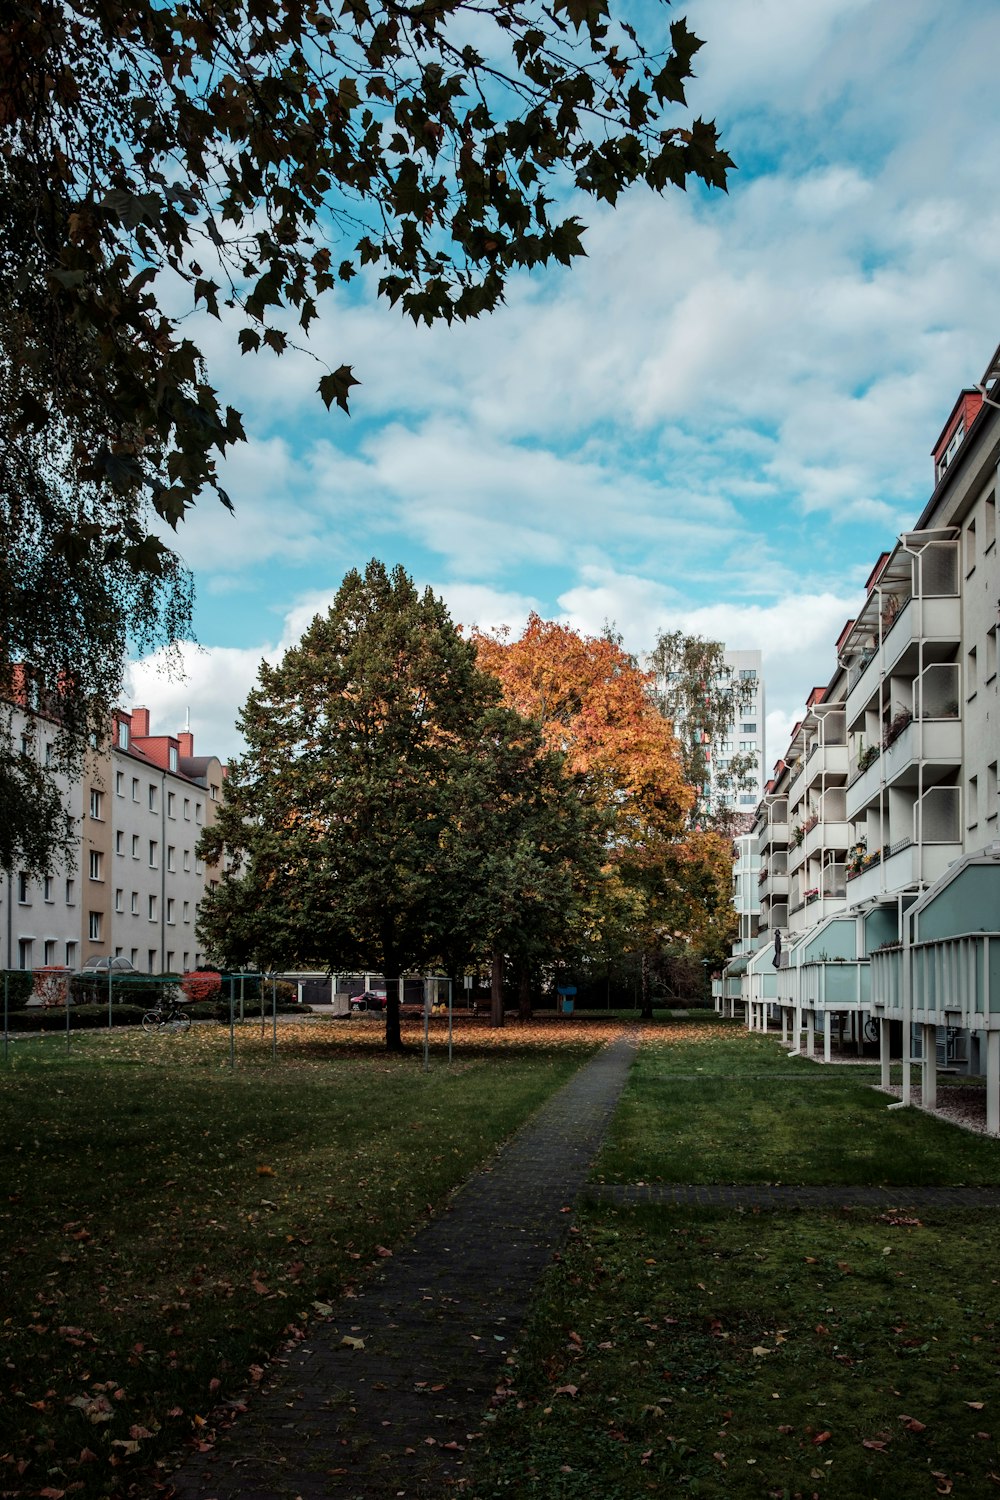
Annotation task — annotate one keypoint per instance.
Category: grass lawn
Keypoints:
(704, 1104)
(838, 1355)
(167, 1222)
(792, 1355)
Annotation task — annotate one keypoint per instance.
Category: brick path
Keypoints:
(437, 1327)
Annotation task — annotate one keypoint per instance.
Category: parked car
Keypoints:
(368, 1000)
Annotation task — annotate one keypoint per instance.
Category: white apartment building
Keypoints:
(137, 883)
(889, 788)
(745, 737)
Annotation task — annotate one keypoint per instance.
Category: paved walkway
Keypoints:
(394, 1417)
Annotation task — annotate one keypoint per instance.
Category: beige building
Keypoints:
(137, 883)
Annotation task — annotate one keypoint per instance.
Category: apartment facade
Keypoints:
(745, 737)
(136, 883)
(890, 790)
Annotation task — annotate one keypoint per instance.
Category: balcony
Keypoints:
(864, 789)
(836, 985)
(935, 621)
(775, 835)
(826, 762)
(955, 981)
(923, 741)
(903, 864)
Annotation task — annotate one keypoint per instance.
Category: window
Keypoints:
(122, 734)
(171, 865)
(94, 926)
(134, 957)
(135, 788)
(118, 952)
(119, 900)
(135, 904)
(119, 843)
(170, 960)
(135, 846)
(187, 859)
(96, 803)
(152, 908)
(152, 797)
(171, 805)
(215, 792)
(22, 889)
(47, 889)
(748, 674)
(747, 745)
(70, 892)
(972, 802)
(187, 808)
(187, 914)
(153, 853)
(199, 868)
(71, 955)
(151, 956)
(197, 812)
(172, 762)
(991, 654)
(119, 783)
(185, 962)
(990, 522)
(748, 728)
(24, 953)
(952, 449)
(96, 865)
(970, 546)
(48, 753)
(971, 674)
(49, 952)
(25, 745)
(170, 912)
(991, 791)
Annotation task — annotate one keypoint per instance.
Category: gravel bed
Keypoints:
(962, 1104)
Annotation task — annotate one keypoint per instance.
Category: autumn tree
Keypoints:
(389, 809)
(702, 697)
(591, 701)
(247, 158)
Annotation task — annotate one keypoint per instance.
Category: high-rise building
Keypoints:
(743, 742)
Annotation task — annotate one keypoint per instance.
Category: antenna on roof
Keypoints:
(187, 720)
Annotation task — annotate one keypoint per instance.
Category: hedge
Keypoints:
(81, 1017)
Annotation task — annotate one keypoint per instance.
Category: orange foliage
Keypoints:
(201, 984)
(591, 702)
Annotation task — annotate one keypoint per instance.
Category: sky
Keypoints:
(713, 423)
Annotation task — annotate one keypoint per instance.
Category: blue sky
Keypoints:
(715, 422)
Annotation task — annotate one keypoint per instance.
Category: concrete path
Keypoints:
(395, 1416)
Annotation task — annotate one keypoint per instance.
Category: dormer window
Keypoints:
(952, 448)
(122, 735)
(173, 757)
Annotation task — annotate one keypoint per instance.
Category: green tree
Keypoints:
(247, 157)
(702, 697)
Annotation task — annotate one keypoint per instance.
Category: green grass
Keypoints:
(167, 1222)
(739, 1110)
(710, 1354)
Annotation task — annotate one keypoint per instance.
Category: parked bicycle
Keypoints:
(168, 1015)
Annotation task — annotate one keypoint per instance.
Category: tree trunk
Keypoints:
(496, 990)
(646, 1007)
(393, 987)
(524, 992)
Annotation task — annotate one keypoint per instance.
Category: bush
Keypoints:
(254, 1007)
(82, 1017)
(20, 983)
(202, 984)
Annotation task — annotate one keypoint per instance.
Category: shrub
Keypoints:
(20, 983)
(92, 989)
(51, 985)
(82, 1017)
(202, 984)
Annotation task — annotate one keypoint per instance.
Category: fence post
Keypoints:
(110, 1022)
(232, 1021)
(6, 1037)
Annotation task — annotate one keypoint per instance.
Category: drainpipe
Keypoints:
(163, 871)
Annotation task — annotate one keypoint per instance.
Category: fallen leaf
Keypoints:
(759, 1350)
(822, 1437)
(976, 1405)
(944, 1484)
(912, 1425)
(347, 1342)
(878, 1444)
(565, 1390)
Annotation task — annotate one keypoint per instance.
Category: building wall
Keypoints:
(746, 736)
(136, 883)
